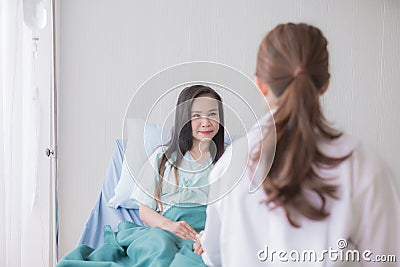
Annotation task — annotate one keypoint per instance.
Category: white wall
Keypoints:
(108, 48)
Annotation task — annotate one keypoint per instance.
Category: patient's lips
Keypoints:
(205, 132)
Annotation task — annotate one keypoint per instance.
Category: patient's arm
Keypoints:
(153, 218)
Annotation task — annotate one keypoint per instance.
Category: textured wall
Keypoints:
(107, 49)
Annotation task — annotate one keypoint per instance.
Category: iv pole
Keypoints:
(52, 152)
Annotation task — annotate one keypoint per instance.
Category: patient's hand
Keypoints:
(153, 218)
(181, 229)
(197, 248)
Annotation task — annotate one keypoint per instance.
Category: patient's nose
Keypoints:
(205, 121)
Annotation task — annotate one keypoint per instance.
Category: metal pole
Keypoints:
(53, 140)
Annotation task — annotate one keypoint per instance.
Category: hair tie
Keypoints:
(299, 71)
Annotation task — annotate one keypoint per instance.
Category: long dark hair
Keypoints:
(182, 139)
(293, 60)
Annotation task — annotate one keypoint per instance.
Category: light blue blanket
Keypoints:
(101, 214)
(142, 246)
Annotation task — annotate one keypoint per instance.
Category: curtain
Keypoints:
(24, 227)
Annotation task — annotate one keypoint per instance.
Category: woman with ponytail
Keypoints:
(324, 199)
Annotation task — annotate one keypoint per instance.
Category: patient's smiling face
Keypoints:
(204, 119)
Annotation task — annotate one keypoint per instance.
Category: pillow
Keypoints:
(143, 139)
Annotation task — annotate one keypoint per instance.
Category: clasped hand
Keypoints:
(182, 229)
(197, 248)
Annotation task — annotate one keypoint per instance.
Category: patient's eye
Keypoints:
(196, 115)
(212, 114)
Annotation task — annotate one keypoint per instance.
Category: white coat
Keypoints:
(363, 227)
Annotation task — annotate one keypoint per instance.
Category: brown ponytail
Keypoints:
(293, 61)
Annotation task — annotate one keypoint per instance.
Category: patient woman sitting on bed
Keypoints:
(177, 174)
(172, 189)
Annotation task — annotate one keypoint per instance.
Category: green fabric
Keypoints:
(193, 184)
(134, 245)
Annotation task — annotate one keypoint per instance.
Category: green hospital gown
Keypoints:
(193, 182)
